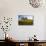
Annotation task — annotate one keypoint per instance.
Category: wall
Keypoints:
(12, 8)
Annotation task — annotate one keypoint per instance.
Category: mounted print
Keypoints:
(25, 20)
(36, 3)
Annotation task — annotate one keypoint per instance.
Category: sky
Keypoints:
(28, 16)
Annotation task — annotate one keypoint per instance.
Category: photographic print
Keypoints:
(25, 19)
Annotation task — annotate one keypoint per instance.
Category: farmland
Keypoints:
(25, 22)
